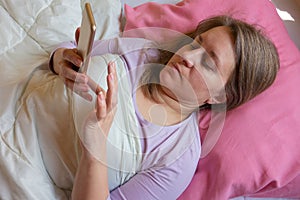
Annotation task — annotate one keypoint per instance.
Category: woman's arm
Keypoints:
(91, 179)
(65, 61)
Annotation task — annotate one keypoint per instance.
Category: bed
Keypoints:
(263, 161)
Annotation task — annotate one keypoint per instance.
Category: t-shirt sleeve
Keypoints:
(126, 47)
(163, 183)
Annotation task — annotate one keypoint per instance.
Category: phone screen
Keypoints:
(86, 37)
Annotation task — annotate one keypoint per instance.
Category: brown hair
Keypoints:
(256, 61)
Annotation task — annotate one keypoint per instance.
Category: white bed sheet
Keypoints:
(29, 32)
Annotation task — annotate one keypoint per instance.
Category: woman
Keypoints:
(228, 63)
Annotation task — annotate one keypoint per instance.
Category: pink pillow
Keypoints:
(258, 152)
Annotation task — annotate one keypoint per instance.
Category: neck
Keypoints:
(161, 109)
(174, 104)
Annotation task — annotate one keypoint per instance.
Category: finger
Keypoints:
(110, 67)
(77, 33)
(68, 73)
(72, 56)
(101, 106)
(111, 96)
(80, 89)
(87, 96)
(95, 87)
(114, 72)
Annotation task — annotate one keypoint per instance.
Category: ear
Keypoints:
(216, 100)
(210, 101)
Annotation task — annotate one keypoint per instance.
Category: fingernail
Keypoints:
(101, 96)
(78, 63)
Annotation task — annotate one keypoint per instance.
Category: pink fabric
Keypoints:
(258, 151)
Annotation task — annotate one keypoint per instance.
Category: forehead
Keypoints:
(219, 40)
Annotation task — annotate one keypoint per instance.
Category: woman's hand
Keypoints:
(66, 63)
(91, 180)
(98, 122)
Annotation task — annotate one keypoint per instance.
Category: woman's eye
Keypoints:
(193, 45)
(199, 40)
(208, 62)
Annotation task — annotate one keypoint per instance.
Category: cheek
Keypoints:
(180, 87)
(207, 84)
(199, 85)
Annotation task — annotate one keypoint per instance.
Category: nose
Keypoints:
(191, 57)
(187, 63)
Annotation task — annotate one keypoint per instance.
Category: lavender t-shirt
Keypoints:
(170, 153)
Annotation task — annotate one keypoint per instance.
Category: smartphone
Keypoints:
(86, 37)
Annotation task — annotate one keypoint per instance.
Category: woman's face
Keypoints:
(197, 73)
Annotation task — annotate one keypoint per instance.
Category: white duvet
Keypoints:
(40, 151)
(28, 129)
(29, 32)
